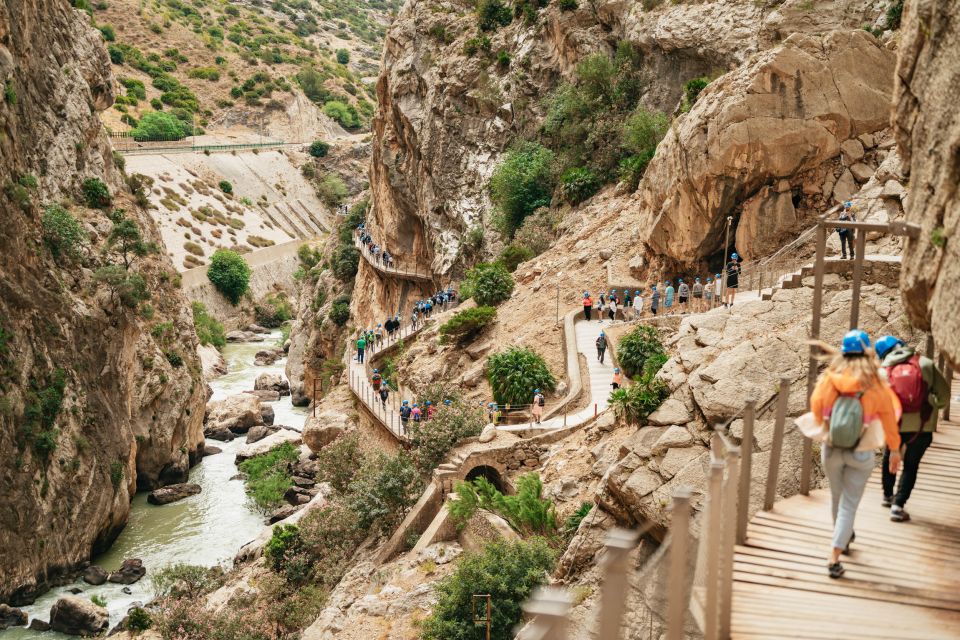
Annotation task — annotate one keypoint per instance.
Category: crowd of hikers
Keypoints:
(870, 397)
(686, 296)
(380, 255)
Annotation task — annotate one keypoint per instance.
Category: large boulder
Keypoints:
(211, 361)
(172, 493)
(324, 429)
(130, 571)
(927, 127)
(266, 357)
(78, 617)
(237, 413)
(94, 575)
(11, 617)
(268, 443)
(258, 433)
(272, 382)
(784, 113)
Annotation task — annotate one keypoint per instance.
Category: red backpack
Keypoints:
(907, 382)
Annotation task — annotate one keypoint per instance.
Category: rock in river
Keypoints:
(129, 572)
(94, 575)
(237, 413)
(10, 617)
(78, 617)
(272, 382)
(172, 493)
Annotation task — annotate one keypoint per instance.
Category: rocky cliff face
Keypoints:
(98, 398)
(927, 126)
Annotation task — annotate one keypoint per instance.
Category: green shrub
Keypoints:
(468, 323)
(108, 33)
(515, 373)
(129, 287)
(492, 14)
(229, 273)
(116, 54)
(474, 45)
(538, 231)
(138, 619)
(209, 329)
(95, 193)
(126, 238)
(273, 311)
(308, 256)
(578, 184)
(522, 183)
(98, 600)
(174, 358)
(526, 511)
(268, 475)
(451, 423)
(343, 56)
(644, 130)
(894, 14)
(573, 521)
(487, 283)
(116, 475)
(205, 73)
(344, 114)
(42, 407)
(345, 262)
(503, 59)
(330, 537)
(225, 186)
(331, 189)
(161, 126)
(339, 461)
(284, 542)
(339, 313)
(188, 581)
(62, 233)
(637, 348)
(382, 490)
(319, 148)
(513, 254)
(638, 400)
(567, 5)
(508, 571)
(632, 168)
(691, 91)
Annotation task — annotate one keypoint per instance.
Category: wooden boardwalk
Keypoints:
(902, 580)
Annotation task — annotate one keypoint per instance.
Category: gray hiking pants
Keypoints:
(848, 472)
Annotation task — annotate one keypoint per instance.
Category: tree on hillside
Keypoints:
(161, 125)
(229, 273)
(522, 183)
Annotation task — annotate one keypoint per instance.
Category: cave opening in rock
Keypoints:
(489, 474)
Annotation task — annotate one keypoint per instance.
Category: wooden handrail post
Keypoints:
(860, 246)
(728, 542)
(712, 540)
(806, 461)
(773, 471)
(613, 587)
(679, 550)
(746, 467)
(550, 606)
(949, 376)
(929, 346)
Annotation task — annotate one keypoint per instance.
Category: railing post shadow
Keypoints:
(613, 588)
(746, 467)
(679, 550)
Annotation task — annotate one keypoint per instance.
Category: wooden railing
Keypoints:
(400, 269)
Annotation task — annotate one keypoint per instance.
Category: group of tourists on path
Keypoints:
(687, 296)
(380, 255)
(867, 397)
(423, 309)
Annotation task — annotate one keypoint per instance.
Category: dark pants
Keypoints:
(910, 465)
(600, 352)
(586, 312)
(614, 385)
(846, 242)
(360, 356)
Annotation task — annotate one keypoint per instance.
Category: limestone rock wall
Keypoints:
(126, 417)
(927, 126)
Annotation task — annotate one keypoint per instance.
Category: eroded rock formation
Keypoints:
(94, 406)
(928, 132)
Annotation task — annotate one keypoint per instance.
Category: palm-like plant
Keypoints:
(515, 373)
(637, 347)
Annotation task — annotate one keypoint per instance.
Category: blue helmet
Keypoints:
(616, 370)
(734, 256)
(376, 370)
(586, 294)
(637, 292)
(601, 333)
(536, 390)
(448, 402)
(406, 402)
(697, 279)
(427, 402)
(885, 344)
(855, 342)
(668, 282)
(717, 276)
(847, 204)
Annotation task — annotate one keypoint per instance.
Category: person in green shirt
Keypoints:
(361, 347)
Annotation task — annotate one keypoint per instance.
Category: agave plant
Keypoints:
(515, 373)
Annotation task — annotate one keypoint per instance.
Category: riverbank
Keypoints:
(206, 529)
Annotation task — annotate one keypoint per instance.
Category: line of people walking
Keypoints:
(870, 397)
(379, 254)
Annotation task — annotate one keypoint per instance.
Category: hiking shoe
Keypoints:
(887, 502)
(835, 570)
(898, 514)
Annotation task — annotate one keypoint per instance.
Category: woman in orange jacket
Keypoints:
(853, 371)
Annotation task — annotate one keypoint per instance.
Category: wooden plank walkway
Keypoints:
(902, 580)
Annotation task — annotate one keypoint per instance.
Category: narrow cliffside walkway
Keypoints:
(397, 270)
(901, 579)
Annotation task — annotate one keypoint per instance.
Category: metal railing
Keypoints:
(397, 268)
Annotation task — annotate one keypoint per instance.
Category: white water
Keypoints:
(206, 529)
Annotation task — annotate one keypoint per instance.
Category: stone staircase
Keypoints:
(871, 263)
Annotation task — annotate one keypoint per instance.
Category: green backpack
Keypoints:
(846, 421)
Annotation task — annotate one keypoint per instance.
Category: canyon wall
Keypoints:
(100, 398)
(927, 126)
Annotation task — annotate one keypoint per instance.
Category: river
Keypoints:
(206, 529)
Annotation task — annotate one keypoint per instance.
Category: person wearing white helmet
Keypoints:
(637, 304)
(733, 280)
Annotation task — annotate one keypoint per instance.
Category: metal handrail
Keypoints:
(393, 269)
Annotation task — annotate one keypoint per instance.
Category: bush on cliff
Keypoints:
(468, 323)
(451, 423)
(526, 511)
(62, 233)
(229, 273)
(487, 283)
(209, 329)
(268, 476)
(515, 373)
(492, 14)
(273, 310)
(640, 351)
(521, 184)
(162, 126)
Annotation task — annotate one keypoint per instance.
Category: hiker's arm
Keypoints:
(888, 417)
(824, 395)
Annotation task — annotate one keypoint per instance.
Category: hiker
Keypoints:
(717, 290)
(361, 346)
(493, 413)
(708, 294)
(922, 391)
(384, 393)
(683, 294)
(668, 296)
(627, 302)
(376, 380)
(612, 308)
(601, 346)
(537, 406)
(654, 299)
(637, 304)
(617, 379)
(378, 335)
(613, 296)
(733, 279)
(405, 412)
(846, 235)
(416, 413)
(697, 295)
(587, 304)
(847, 394)
(428, 410)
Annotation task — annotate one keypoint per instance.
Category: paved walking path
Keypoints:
(902, 580)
